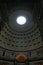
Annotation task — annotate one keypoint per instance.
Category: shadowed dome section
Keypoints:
(21, 58)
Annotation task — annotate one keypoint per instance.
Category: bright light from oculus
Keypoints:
(21, 20)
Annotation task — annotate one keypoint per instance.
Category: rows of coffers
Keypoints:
(23, 38)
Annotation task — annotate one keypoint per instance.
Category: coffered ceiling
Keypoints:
(16, 38)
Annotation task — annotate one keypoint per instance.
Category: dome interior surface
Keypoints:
(18, 39)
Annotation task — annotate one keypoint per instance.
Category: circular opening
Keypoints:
(21, 20)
